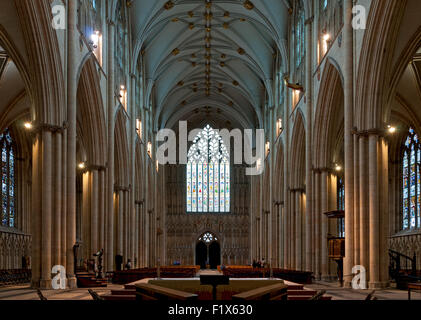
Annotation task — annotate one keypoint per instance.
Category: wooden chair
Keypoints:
(318, 295)
(95, 295)
(40, 295)
(370, 296)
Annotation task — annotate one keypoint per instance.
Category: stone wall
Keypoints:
(13, 246)
(407, 244)
(184, 229)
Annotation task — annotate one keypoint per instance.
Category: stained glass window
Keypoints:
(208, 174)
(208, 238)
(411, 195)
(120, 45)
(7, 180)
(299, 34)
(341, 207)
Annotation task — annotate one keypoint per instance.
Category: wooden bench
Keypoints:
(273, 292)
(150, 292)
(413, 286)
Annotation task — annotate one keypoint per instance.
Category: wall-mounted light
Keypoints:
(267, 148)
(123, 96)
(95, 39)
(279, 125)
(82, 165)
(391, 129)
(157, 166)
(338, 168)
(139, 128)
(28, 125)
(149, 149)
(325, 42)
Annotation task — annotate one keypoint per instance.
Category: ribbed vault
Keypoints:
(218, 54)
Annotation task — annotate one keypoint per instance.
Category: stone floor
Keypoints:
(24, 292)
(338, 293)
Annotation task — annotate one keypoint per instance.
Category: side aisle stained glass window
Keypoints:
(208, 174)
(7, 180)
(341, 207)
(411, 182)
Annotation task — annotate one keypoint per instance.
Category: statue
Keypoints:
(99, 255)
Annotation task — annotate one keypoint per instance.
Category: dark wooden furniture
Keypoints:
(149, 292)
(273, 292)
(15, 276)
(302, 277)
(128, 276)
(40, 295)
(413, 286)
(214, 281)
(319, 295)
(336, 244)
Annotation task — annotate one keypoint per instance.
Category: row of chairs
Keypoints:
(249, 272)
(128, 276)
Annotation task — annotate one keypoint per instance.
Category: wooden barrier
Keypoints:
(15, 276)
(273, 292)
(128, 276)
(150, 292)
(301, 277)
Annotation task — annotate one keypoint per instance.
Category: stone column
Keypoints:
(292, 231)
(46, 209)
(94, 212)
(348, 35)
(374, 215)
(101, 208)
(36, 207)
(356, 201)
(110, 160)
(120, 223)
(324, 225)
(72, 69)
(364, 207)
(384, 212)
(309, 155)
(86, 215)
(317, 227)
(56, 246)
(298, 230)
(63, 222)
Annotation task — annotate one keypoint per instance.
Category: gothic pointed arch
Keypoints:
(329, 120)
(90, 114)
(208, 174)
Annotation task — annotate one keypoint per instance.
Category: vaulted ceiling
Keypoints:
(408, 93)
(210, 59)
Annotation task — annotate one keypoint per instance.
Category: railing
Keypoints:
(396, 265)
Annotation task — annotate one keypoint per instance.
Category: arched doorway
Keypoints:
(201, 254)
(208, 251)
(214, 255)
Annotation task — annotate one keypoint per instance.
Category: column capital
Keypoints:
(369, 132)
(121, 188)
(40, 127)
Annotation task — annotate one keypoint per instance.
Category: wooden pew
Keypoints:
(413, 286)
